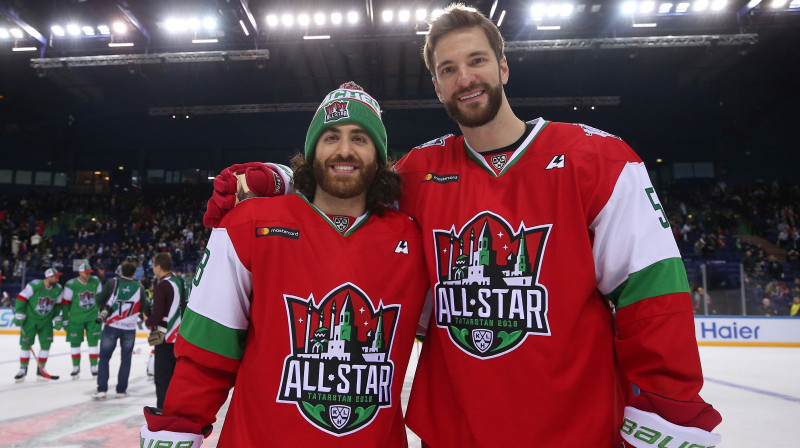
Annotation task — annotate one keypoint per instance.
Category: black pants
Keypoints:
(164, 367)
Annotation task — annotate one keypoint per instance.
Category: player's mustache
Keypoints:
(471, 88)
(348, 159)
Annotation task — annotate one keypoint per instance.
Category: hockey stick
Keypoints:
(36, 358)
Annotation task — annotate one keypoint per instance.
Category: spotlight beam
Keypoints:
(14, 16)
(125, 8)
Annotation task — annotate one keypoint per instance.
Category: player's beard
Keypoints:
(343, 186)
(475, 115)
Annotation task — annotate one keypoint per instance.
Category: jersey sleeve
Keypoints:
(66, 295)
(639, 269)
(212, 333)
(217, 317)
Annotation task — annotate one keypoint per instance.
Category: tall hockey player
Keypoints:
(36, 312)
(119, 302)
(532, 229)
(79, 313)
(307, 306)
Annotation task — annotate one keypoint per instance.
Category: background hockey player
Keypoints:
(308, 306)
(36, 312)
(531, 229)
(79, 313)
(119, 303)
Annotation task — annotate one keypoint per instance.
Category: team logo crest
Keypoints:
(336, 111)
(499, 161)
(86, 300)
(341, 223)
(488, 295)
(339, 374)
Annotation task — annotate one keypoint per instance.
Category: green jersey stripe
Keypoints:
(212, 336)
(663, 277)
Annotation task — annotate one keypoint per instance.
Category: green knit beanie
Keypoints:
(348, 104)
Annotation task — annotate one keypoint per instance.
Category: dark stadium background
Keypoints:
(735, 106)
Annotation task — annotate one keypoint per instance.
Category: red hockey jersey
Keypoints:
(525, 253)
(315, 327)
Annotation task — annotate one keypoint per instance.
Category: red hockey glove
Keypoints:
(651, 420)
(162, 430)
(259, 180)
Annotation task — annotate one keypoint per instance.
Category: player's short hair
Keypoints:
(457, 16)
(128, 269)
(386, 186)
(163, 260)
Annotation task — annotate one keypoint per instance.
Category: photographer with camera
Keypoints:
(119, 304)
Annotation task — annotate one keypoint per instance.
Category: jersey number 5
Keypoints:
(657, 207)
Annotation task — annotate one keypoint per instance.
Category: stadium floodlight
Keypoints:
(16, 33)
(58, 30)
(777, 4)
(303, 20)
(548, 27)
(272, 20)
(420, 15)
(171, 25)
(403, 15)
(73, 30)
(287, 20)
(664, 8)
(87, 30)
(753, 3)
(718, 5)
(244, 28)
(204, 41)
(104, 30)
(24, 49)
(553, 9)
(645, 25)
(319, 18)
(682, 7)
(794, 4)
(387, 15)
(319, 37)
(596, 8)
(628, 8)
(210, 23)
(701, 5)
(352, 17)
(193, 24)
(566, 9)
(538, 11)
(4, 33)
(500, 20)
(436, 13)
(580, 8)
(647, 7)
(120, 27)
(120, 44)
(336, 18)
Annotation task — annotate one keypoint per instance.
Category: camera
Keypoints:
(103, 315)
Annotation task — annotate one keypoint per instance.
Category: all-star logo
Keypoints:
(488, 295)
(278, 183)
(499, 161)
(341, 223)
(336, 111)
(86, 299)
(339, 373)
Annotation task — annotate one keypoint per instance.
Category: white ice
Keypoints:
(757, 390)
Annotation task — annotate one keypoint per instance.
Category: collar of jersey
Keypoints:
(359, 221)
(480, 160)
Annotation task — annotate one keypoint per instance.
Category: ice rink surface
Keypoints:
(757, 390)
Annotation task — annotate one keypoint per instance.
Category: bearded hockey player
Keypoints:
(36, 312)
(556, 281)
(308, 306)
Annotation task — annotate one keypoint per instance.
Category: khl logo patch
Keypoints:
(488, 294)
(341, 223)
(339, 374)
(499, 161)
